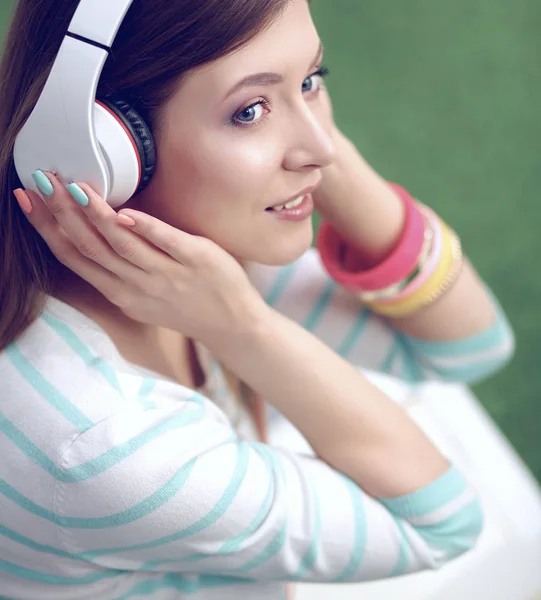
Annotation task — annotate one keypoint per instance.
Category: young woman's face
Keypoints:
(228, 152)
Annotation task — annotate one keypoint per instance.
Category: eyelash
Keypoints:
(322, 73)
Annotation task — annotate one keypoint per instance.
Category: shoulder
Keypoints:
(64, 371)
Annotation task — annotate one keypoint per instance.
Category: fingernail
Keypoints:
(125, 220)
(23, 200)
(42, 181)
(77, 194)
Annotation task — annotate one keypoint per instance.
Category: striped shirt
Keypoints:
(117, 483)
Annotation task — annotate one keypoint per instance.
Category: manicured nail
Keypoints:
(125, 220)
(42, 181)
(23, 200)
(77, 194)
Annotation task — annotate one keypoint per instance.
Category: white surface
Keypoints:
(99, 20)
(59, 135)
(506, 564)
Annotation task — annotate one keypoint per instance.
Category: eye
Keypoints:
(251, 114)
(316, 79)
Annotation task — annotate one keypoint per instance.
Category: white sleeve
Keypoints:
(174, 490)
(304, 292)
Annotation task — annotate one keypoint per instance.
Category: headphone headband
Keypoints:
(99, 20)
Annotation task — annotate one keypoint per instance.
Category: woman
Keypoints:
(128, 467)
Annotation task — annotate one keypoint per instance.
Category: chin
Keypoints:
(283, 251)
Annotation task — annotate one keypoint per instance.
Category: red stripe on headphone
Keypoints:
(130, 137)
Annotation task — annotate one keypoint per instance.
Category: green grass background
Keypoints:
(444, 98)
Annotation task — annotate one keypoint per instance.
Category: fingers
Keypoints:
(92, 226)
(64, 250)
(183, 247)
(123, 239)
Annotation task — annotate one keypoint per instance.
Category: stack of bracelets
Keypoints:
(424, 264)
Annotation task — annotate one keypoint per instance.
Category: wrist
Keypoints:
(362, 207)
(398, 262)
(241, 335)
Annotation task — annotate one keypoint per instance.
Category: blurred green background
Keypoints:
(443, 97)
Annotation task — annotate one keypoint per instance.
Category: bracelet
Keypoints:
(435, 257)
(439, 282)
(402, 261)
(394, 290)
(412, 302)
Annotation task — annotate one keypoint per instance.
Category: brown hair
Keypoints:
(158, 42)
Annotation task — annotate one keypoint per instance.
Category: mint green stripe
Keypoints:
(209, 519)
(360, 531)
(387, 364)
(140, 510)
(493, 337)
(108, 459)
(310, 557)
(46, 389)
(273, 548)
(457, 533)
(470, 373)
(430, 498)
(27, 447)
(278, 541)
(80, 348)
(232, 545)
(320, 307)
(182, 584)
(412, 371)
(403, 555)
(147, 386)
(117, 454)
(280, 283)
(31, 575)
(354, 333)
(24, 541)
(169, 581)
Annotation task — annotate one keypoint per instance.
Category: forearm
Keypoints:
(349, 422)
(370, 217)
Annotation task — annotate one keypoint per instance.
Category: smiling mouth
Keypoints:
(291, 204)
(294, 202)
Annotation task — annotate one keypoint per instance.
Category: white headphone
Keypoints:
(104, 143)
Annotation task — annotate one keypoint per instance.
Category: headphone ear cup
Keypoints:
(140, 134)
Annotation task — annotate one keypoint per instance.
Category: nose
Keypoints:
(311, 147)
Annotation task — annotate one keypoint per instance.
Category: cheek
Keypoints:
(218, 180)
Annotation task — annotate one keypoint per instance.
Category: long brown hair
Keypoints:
(158, 42)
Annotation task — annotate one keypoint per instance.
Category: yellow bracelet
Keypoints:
(440, 281)
(377, 295)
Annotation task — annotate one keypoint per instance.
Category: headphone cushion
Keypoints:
(140, 132)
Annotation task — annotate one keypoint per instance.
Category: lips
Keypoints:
(296, 198)
(291, 204)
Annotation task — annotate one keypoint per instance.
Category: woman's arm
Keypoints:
(367, 213)
(306, 294)
(212, 505)
(348, 421)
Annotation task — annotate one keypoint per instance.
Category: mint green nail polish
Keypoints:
(42, 181)
(77, 194)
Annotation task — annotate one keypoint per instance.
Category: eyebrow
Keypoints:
(260, 79)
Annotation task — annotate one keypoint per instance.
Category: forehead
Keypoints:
(289, 41)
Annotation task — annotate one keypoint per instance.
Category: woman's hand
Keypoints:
(154, 273)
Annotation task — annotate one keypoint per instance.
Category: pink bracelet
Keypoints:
(433, 260)
(393, 269)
